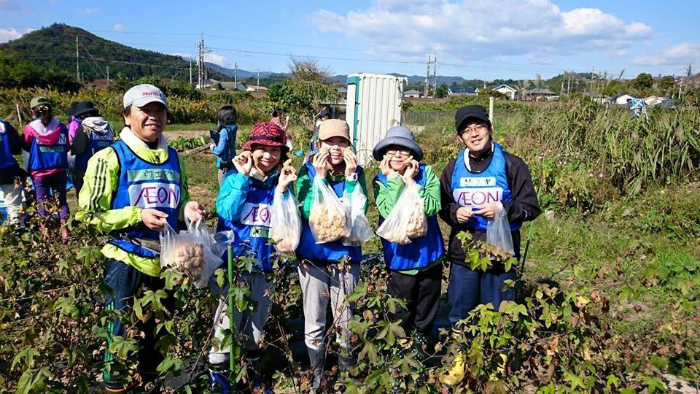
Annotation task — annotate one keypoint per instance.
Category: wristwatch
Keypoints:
(352, 177)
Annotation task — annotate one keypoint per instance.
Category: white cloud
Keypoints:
(119, 28)
(464, 30)
(10, 5)
(12, 34)
(216, 59)
(677, 55)
(91, 11)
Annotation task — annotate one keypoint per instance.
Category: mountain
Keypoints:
(413, 79)
(54, 47)
(242, 74)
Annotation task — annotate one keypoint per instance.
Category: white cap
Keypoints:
(141, 95)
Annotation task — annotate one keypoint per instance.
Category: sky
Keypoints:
(474, 39)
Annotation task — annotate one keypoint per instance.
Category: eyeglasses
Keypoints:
(395, 151)
(477, 127)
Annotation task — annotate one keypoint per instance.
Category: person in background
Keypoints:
(323, 115)
(415, 269)
(277, 115)
(132, 190)
(46, 140)
(12, 176)
(480, 182)
(328, 272)
(73, 122)
(243, 205)
(225, 147)
(93, 134)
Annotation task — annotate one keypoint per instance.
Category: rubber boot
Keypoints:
(317, 358)
(219, 378)
(254, 375)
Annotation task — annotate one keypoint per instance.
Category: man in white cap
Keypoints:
(132, 189)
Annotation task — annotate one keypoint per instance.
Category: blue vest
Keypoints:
(421, 251)
(6, 158)
(252, 230)
(230, 149)
(329, 251)
(45, 157)
(470, 189)
(96, 144)
(146, 185)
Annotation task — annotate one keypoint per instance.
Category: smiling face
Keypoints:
(266, 158)
(147, 122)
(399, 157)
(476, 136)
(335, 146)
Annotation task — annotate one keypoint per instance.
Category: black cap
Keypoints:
(85, 107)
(470, 111)
(70, 109)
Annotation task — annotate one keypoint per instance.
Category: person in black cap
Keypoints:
(92, 135)
(480, 182)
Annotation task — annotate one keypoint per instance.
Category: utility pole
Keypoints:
(435, 76)
(190, 70)
(235, 74)
(427, 78)
(108, 75)
(77, 60)
(258, 80)
(200, 55)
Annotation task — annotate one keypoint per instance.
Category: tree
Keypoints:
(308, 70)
(442, 91)
(666, 84)
(643, 81)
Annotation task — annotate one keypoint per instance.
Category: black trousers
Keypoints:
(422, 293)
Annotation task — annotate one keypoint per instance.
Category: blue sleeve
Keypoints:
(223, 141)
(13, 137)
(233, 193)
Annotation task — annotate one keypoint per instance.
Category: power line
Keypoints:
(499, 65)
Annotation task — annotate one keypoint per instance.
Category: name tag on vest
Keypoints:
(477, 195)
(256, 215)
(51, 149)
(155, 195)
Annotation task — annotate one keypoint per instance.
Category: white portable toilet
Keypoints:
(373, 106)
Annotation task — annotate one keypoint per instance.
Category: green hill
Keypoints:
(54, 47)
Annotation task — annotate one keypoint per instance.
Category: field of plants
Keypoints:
(608, 298)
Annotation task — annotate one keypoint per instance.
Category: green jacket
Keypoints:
(95, 199)
(386, 196)
(304, 189)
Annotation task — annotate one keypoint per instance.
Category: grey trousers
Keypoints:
(321, 286)
(249, 323)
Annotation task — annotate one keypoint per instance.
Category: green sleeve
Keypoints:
(386, 196)
(430, 192)
(304, 192)
(184, 188)
(95, 199)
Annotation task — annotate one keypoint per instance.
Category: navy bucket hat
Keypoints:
(399, 136)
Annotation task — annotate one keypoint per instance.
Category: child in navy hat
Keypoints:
(415, 268)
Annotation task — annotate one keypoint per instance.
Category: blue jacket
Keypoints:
(225, 149)
(421, 252)
(243, 205)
